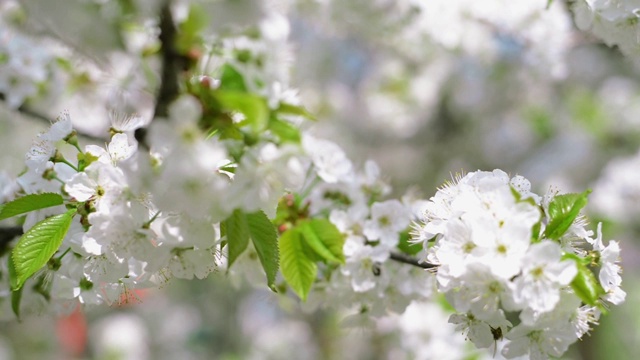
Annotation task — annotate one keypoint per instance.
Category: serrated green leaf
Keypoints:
(407, 247)
(265, 240)
(36, 246)
(563, 210)
(585, 284)
(324, 238)
(253, 107)
(28, 203)
(237, 235)
(298, 270)
(286, 131)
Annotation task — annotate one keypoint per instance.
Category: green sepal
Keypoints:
(563, 210)
(85, 159)
(535, 232)
(407, 247)
(516, 194)
(38, 244)
(28, 203)
(585, 284)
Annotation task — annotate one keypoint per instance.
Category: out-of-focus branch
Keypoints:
(27, 111)
(411, 261)
(7, 234)
(172, 65)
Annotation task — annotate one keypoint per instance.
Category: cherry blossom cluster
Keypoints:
(615, 22)
(508, 272)
(354, 201)
(150, 214)
(181, 193)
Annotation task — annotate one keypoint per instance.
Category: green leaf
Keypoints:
(295, 110)
(237, 235)
(195, 21)
(223, 228)
(29, 203)
(310, 253)
(13, 279)
(535, 232)
(324, 238)
(563, 210)
(189, 34)
(239, 227)
(407, 247)
(298, 270)
(253, 107)
(265, 239)
(16, 295)
(286, 131)
(231, 79)
(36, 246)
(585, 284)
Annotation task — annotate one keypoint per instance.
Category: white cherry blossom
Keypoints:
(543, 274)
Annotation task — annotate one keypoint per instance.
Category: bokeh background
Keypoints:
(426, 89)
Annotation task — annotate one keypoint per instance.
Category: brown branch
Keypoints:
(405, 259)
(7, 234)
(173, 64)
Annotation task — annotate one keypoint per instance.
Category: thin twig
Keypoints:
(411, 261)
